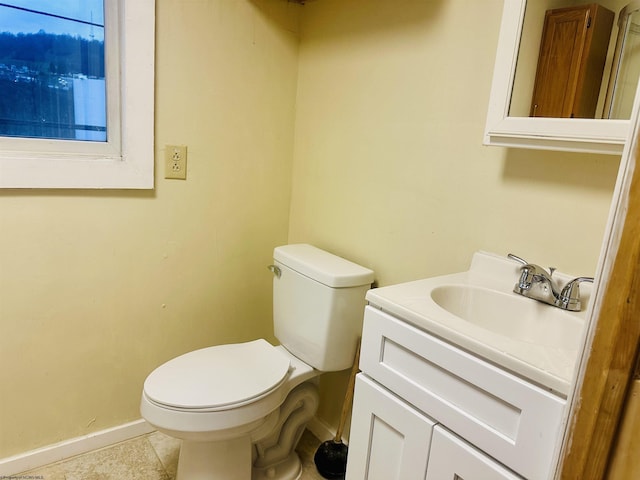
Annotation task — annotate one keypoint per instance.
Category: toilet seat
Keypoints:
(218, 378)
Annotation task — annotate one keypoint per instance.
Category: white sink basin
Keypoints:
(478, 311)
(509, 315)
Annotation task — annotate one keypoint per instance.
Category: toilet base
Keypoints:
(289, 469)
(226, 460)
(267, 452)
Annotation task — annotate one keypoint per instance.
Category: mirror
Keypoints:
(625, 68)
(508, 120)
(611, 60)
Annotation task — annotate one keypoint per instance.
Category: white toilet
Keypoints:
(240, 409)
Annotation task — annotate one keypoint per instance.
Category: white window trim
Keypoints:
(131, 165)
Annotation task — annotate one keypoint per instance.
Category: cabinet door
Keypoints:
(451, 458)
(573, 51)
(389, 440)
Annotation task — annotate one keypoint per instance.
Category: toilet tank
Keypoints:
(318, 305)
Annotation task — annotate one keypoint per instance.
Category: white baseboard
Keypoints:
(104, 438)
(321, 430)
(70, 448)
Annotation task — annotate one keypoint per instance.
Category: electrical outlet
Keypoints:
(175, 162)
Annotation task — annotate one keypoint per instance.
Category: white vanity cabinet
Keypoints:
(425, 409)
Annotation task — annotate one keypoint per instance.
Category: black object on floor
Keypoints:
(331, 456)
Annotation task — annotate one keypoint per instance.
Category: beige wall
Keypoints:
(389, 169)
(98, 288)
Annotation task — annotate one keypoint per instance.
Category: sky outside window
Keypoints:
(14, 20)
(52, 69)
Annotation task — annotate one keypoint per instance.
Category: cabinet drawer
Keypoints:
(452, 458)
(511, 420)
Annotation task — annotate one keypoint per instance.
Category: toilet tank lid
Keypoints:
(322, 266)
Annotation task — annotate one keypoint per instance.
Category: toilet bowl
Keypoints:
(241, 408)
(221, 400)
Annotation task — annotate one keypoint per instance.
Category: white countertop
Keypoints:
(549, 366)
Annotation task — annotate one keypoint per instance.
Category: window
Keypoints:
(52, 71)
(76, 109)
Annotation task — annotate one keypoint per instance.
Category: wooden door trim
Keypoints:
(610, 358)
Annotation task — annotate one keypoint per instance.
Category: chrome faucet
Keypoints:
(536, 283)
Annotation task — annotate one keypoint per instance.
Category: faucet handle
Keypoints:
(517, 259)
(527, 273)
(570, 295)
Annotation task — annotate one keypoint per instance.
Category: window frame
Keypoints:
(126, 161)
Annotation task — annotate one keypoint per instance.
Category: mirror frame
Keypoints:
(565, 134)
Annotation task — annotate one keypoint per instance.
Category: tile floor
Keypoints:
(149, 457)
